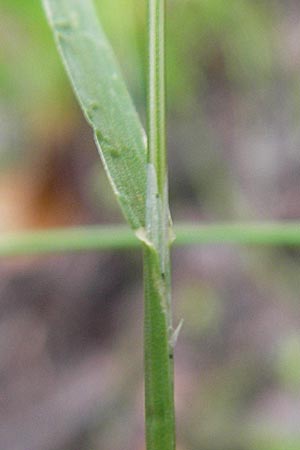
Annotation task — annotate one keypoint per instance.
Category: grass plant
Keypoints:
(138, 175)
(137, 170)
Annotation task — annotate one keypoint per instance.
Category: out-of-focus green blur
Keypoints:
(71, 326)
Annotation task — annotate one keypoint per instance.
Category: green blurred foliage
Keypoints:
(31, 73)
(288, 361)
(207, 33)
(270, 441)
(201, 309)
(198, 31)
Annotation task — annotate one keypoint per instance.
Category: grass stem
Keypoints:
(158, 348)
(119, 237)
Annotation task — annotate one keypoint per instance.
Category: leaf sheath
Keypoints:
(159, 398)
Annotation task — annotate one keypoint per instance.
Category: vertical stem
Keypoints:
(158, 347)
(159, 396)
(156, 90)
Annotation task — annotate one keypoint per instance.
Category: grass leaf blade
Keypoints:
(106, 103)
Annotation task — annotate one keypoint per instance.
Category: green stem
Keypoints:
(260, 233)
(75, 239)
(156, 91)
(158, 353)
(158, 332)
(114, 237)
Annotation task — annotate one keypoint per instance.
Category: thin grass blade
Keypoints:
(106, 103)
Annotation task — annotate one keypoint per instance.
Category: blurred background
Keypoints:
(71, 325)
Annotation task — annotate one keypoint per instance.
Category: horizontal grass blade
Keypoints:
(118, 237)
(103, 96)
